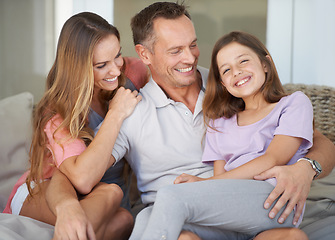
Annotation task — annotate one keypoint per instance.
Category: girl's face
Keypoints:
(241, 70)
(107, 63)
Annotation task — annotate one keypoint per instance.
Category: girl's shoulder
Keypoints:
(297, 95)
(222, 122)
(296, 98)
(297, 102)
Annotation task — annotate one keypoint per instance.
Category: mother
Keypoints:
(85, 75)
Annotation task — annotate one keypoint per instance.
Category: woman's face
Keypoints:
(107, 63)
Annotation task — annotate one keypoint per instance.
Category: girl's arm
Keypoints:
(218, 170)
(86, 170)
(281, 149)
(219, 167)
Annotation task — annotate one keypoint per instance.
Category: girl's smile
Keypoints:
(241, 71)
(243, 81)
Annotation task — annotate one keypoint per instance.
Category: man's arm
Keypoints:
(294, 181)
(71, 220)
(323, 151)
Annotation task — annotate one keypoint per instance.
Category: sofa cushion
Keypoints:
(15, 129)
(14, 227)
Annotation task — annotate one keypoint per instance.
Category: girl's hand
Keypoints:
(185, 178)
(124, 102)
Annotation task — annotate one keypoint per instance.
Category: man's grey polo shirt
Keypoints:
(162, 139)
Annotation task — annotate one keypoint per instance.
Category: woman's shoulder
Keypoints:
(55, 121)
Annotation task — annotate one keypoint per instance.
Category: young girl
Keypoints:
(84, 77)
(252, 126)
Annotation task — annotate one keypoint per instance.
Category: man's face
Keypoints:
(175, 52)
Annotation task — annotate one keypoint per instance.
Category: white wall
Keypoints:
(26, 45)
(66, 8)
(29, 31)
(301, 39)
(300, 36)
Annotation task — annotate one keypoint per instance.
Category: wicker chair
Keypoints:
(323, 101)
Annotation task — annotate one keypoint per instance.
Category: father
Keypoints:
(163, 137)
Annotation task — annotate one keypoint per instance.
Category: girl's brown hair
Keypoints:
(69, 87)
(218, 102)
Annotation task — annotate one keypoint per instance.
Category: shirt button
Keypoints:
(186, 113)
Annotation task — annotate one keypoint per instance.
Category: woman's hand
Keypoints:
(185, 178)
(293, 185)
(71, 220)
(124, 102)
(72, 223)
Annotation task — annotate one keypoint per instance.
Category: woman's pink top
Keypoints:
(61, 147)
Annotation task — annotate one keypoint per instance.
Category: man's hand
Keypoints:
(293, 186)
(185, 178)
(72, 223)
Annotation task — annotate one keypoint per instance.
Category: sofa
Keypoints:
(15, 128)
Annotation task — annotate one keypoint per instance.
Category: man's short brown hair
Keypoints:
(142, 23)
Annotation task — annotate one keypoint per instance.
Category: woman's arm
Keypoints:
(71, 220)
(86, 170)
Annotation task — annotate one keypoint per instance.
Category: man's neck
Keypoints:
(187, 95)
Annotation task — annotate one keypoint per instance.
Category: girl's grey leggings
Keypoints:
(213, 209)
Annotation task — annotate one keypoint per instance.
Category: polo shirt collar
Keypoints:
(156, 94)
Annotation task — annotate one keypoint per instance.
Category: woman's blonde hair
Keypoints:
(69, 87)
(218, 102)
